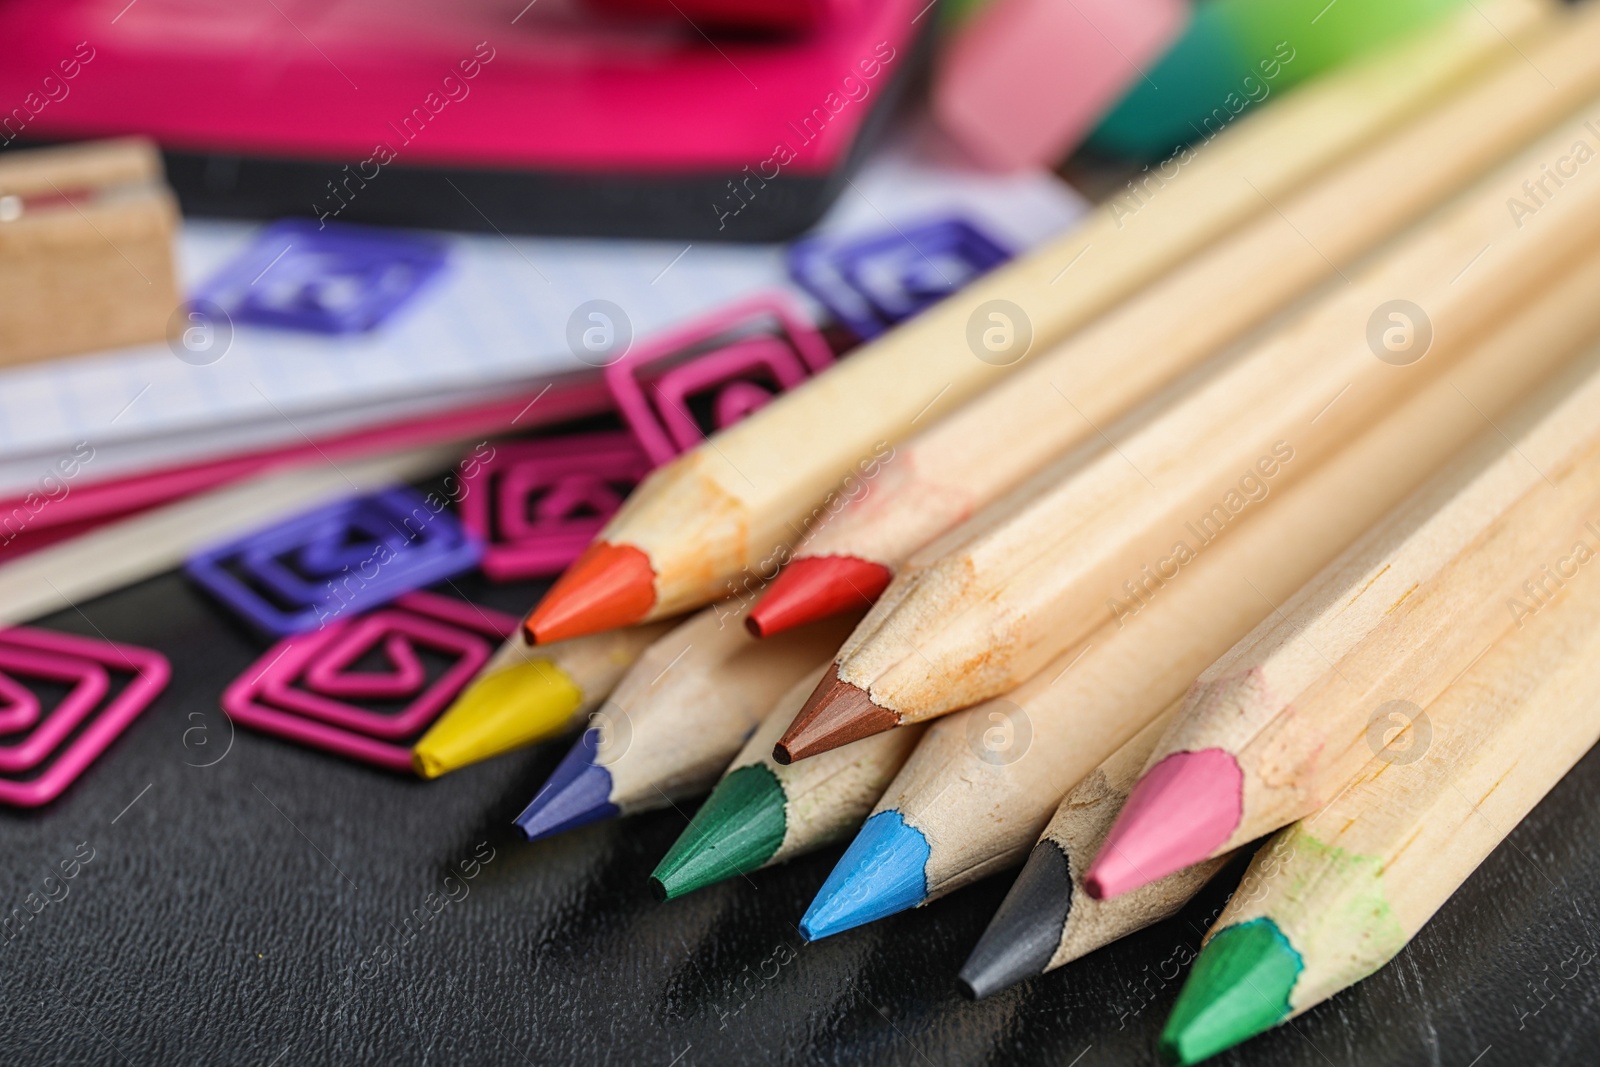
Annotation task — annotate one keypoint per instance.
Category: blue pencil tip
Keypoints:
(579, 792)
(882, 872)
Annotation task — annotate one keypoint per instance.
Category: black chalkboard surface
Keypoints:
(253, 902)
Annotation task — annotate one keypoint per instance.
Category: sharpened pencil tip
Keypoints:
(607, 587)
(578, 793)
(1181, 812)
(817, 587)
(736, 830)
(881, 873)
(1240, 986)
(509, 709)
(1025, 933)
(835, 714)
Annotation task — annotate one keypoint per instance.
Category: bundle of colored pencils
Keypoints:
(1262, 509)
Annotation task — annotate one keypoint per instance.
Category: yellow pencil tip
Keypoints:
(509, 709)
(426, 762)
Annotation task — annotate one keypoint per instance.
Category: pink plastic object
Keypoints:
(85, 666)
(1025, 80)
(769, 15)
(295, 690)
(537, 504)
(453, 85)
(738, 356)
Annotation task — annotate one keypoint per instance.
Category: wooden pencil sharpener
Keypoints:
(86, 249)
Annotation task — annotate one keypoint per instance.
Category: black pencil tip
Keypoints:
(1025, 933)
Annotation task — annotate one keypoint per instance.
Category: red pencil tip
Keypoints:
(835, 714)
(606, 587)
(816, 587)
(1179, 813)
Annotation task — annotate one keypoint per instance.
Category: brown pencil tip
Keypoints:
(817, 587)
(606, 587)
(835, 714)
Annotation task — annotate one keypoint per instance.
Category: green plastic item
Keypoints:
(1237, 55)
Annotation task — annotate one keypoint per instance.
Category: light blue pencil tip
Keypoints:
(881, 873)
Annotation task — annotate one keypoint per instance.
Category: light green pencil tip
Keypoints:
(1239, 987)
(738, 829)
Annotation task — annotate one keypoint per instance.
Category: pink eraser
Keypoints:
(1026, 80)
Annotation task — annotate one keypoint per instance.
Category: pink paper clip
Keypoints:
(738, 358)
(537, 504)
(53, 740)
(21, 708)
(295, 690)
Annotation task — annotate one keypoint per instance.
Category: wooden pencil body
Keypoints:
(1400, 614)
(692, 699)
(86, 249)
(739, 500)
(1351, 884)
(982, 810)
(1065, 395)
(1031, 578)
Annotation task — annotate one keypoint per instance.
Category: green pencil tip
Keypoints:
(1239, 987)
(738, 829)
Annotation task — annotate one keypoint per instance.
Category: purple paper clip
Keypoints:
(871, 282)
(82, 724)
(537, 504)
(704, 376)
(334, 278)
(338, 559)
(302, 688)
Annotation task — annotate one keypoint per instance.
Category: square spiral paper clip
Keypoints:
(336, 278)
(684, 384)
(306, 687)
(872, 281)
(537, 504)
(337, 559)
(44, 749)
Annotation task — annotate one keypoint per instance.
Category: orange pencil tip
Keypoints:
(817, 587)
(835, 714)
(606, 587)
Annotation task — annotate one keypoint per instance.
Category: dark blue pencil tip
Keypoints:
(882, 872)
(579, 792)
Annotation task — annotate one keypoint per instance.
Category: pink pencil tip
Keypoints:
(1179, 813)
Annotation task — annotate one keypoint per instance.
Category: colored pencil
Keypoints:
(762, 812)
(1046, 919)
(982, 610)
(1277, 726)
(982, 784)
(966, 461)
(109, 557)
(676, 718)
(1334, 897)
(725, 513)
(525, 695)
